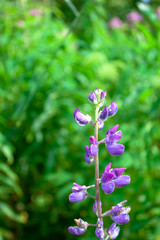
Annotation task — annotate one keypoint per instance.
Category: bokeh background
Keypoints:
(53, 53)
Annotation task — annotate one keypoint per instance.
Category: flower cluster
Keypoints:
(111, 177)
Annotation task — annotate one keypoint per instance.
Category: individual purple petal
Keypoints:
(92, 97)
(113, 130)
(104, 114)
(121, 219)
(108, 187)
(113, 231)
(112, 109)
(93, 150)
(107, 168)
(80, 118)
(117, 171)
(106, 177)
(115, 149)
(77, 196)
(99, 233)
(122, 181)
(95, 208)
(126, 210)
(103, 94)
(93, 140)
(100, 124)
(76, 230)
(117, 136)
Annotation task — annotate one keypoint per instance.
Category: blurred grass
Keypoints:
(44, 77)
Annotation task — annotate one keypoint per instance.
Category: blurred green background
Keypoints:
(53, 53)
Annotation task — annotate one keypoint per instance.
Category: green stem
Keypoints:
(97, 168)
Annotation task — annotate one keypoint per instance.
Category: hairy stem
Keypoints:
(97, 168)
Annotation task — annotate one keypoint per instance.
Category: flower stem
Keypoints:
(97, 168)
(90, 196)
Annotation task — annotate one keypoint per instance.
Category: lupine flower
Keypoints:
(99, 230)
(97, 97)
(113, 231)
(112, 137)
(134, 17)
(36, 12)
(92, 97)
(78, 193)
(100, 124)
(112, 178)
(112, 109)
(104, 114)
(91, 151)
(20, 23)
(80, 229)
(119, 214)
(115, 23)
(158, 12)
(95, 209)
(80, 118)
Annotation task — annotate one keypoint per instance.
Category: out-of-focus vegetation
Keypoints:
(50, 61)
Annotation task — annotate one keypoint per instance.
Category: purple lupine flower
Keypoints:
(112, 178)
(80, 118)
(115, 23)
(113, 231)
(36, 12)
(134, 17)
(97, 97)
(119, 214)
(91, 151)
(158, 12)
(100, 124)
(20, 23)
(80, 229)
(104, 114)
(112, 109)
(92, 97)
(112, 137)
(99, 230)
(78, 193)
(95, 208)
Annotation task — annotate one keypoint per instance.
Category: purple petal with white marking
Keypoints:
(92, 97)
(76, 230)
(121, 219)
(80, 118)
(100, 124)
(93, 150)
(99, 233)
(112, 109)
(104, 114)
(93, 140)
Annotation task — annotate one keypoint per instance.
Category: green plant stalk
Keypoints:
(97, 168)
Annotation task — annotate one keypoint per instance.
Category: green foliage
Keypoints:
(45, 74)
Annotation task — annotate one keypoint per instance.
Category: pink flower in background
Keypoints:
(158, 12)
(115, 23)
(20, 23)
(36, 12)
(134, 17)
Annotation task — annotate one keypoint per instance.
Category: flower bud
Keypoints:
(113, 231)
(112, 109)
(80, 118)
(92, 97)
(104, 114)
